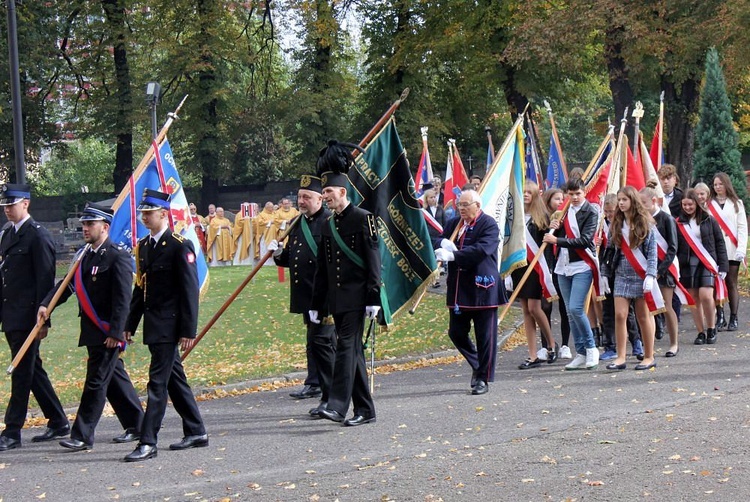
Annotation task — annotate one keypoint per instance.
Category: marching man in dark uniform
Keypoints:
(166, 296)
(27, 266)
(348, 278)
(474, 287)
(102, 283)
(301, 255)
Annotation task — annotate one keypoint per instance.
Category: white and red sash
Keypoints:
(571, 229)
(542, 268)
(431, 221)
(638, 261)
(715, 210)
(674, 269)
(720, 287)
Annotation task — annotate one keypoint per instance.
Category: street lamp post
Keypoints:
(15, 91)
(153, 95)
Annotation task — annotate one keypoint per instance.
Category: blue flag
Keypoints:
(556, 175)
(127, 227)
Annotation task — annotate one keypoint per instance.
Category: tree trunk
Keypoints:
(681, 116)
(207, 145)
(114, 10)
(619, 78)
(516, 101)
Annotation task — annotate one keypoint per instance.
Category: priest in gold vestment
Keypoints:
(219, 240)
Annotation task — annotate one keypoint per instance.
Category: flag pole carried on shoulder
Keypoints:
(368, 137)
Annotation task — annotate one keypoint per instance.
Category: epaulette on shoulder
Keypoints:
(372, 225)
(144, 240)
(178, 236)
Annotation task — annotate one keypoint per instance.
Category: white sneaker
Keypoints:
(592, 358)
(541, 354)
(577, 364)
(565, 353)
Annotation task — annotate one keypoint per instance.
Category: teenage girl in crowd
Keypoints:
(729, 212)
(634, 263)
(702, 255)
(553, 200)
(531, 293)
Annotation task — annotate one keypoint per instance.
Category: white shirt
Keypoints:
(20, 223)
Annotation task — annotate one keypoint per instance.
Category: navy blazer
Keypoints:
(167, 296)
(27, 266)
(107, 277)
(473, 277)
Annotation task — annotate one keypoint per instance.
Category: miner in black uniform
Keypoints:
(27, 266)
(166, 296)
(348, 277)
(300, 255)
(102, 282)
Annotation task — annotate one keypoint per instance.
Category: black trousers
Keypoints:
(29, 376)
(481, 357)
(166, 378)
(100, 372)
(321, 355)
(349, 371)
(124, 399)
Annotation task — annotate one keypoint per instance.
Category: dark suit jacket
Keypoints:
(587, 219)
(167, 296)
(299, 258)
(439, 217)
(675, 205)
(711, 238)
(667, 227)
(346, 286)
(28, 273)
(107, 277)
(473, 277)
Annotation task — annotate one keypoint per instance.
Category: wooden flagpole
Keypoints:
(557, 138)
(63, 285)
(379, 125)
(661, 131)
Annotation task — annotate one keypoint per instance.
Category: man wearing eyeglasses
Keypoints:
(474, 287)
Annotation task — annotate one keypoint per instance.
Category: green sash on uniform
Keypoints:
(361, 264)
(308, 237)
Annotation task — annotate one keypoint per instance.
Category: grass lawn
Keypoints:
(256, 337)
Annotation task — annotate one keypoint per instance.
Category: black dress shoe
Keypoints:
(700, 339)
(75, 445)
(128, 436)
(480, 388)
(8, 443)
(307, 392)
(190, 442)
(711, 336)
(672, 354)
(332, 415)
(51, 434)
(528, 363)
(733, 323)
(142, 452)
(615, 367)
(315, 412)
(358, 420)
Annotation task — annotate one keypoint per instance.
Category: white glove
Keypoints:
(276, 247)
(448, 245)
(444, 255)
(739, 257)
(313, 316)
(269, 224)
(723, 275)
(648, 283)
(371, 311)
(283, 225)
(509, 283)
(605, 286)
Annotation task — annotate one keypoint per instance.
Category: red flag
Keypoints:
(455, 177)
(656, 153)
(635, 171)
(598, 181)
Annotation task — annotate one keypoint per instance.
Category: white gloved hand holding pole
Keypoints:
(371, 311)
(313, 316)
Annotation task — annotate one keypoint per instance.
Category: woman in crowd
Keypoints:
(533, 290)
(703, 193)
(631, 236)
(553, 200)
(729, 213)
(702, 255)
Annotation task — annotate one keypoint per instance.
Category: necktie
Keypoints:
(153, 243)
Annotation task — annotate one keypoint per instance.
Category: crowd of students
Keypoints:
(621, 274)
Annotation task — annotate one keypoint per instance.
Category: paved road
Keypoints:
(679, 432)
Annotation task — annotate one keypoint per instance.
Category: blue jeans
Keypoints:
(574, 290)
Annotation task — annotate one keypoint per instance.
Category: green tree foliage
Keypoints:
(77, 166)
(716, 137)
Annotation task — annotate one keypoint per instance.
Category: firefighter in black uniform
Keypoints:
(300, 255)
(348, 277)
(166, 296)
(27, 266)
(102, 282)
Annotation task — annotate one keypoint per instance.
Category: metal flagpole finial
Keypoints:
(424, 133)
(611, 128)
(173, 115)
(661, 96)
(625, 115)
(638, 111)
(547, 106)
(451, 143)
